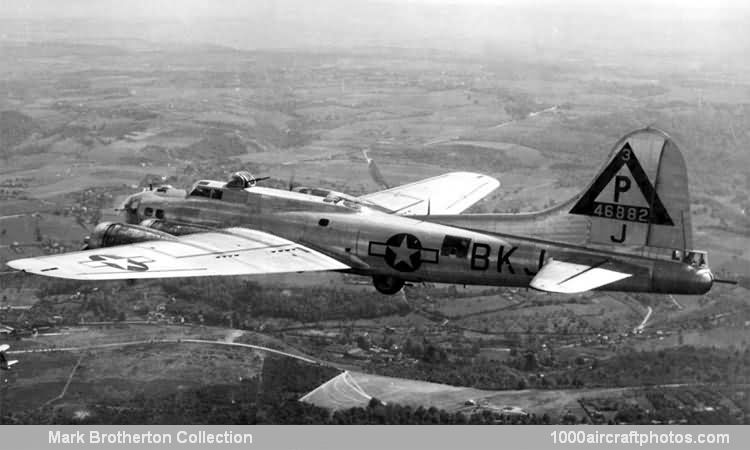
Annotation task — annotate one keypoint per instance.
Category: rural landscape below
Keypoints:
(92, 111)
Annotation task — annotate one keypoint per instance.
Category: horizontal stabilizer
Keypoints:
(451, 193)
(571, 278)
(4, 363)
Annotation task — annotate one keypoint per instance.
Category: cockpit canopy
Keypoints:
(207, 188)
(232, 191)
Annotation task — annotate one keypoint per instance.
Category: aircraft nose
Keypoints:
(128, 203)
(129, 208)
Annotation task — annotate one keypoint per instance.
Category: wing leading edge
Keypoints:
(234, 251)
(451, 193)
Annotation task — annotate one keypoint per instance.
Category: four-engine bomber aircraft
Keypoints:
(629, 230)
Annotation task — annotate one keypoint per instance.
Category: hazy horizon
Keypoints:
(613, 29)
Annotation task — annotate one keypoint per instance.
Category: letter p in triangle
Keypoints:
(613, 194)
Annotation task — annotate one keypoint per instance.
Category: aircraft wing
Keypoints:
(6, 364)
(4, 348)
(451, 193)
(571, 278)
(233, 251)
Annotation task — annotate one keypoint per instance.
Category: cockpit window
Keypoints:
(455, 246)
(148, 212)
(205, 191)
(200, 191)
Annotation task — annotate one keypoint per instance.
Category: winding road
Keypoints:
(167, 341)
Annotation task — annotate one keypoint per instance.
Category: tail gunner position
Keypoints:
(629, 230)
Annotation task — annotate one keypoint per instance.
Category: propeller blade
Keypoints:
(375, 173)
(86, 241)
(291, 178)
(82, 224)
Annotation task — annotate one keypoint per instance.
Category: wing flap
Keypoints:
(451, 193)
(570, 278)
(234, 251)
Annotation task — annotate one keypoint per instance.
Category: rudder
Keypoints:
(640, 198)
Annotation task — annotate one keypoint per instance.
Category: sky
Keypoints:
(705, 27)
(200, 9)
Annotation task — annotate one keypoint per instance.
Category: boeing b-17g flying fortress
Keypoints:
(629, 230)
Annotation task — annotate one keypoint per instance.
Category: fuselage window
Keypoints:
(159, 213)
(148, 212)
(696, 259)
(200, 192)
(455, 246)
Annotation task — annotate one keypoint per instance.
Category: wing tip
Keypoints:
(17, 264)
(35, 267)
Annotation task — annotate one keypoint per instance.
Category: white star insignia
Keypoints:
(403, 253)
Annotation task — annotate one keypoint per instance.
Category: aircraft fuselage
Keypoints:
(393, 248)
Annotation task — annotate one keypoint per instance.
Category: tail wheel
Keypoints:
(387, 285)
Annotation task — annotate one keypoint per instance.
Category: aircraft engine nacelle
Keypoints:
(386, 284)
(174, 228)
(109, 234)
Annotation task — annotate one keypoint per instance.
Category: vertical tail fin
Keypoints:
(640, 198)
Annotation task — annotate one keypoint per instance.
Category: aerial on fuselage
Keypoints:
(629, 230)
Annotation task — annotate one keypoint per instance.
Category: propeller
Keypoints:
(291, 177)
(86, 240)
(82, 224)
(375, 173)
